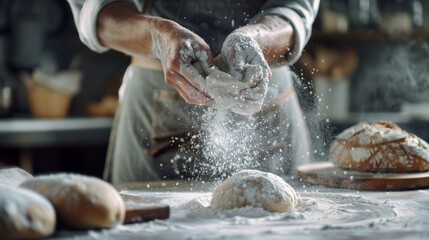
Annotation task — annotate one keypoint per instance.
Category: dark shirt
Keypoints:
(211, 20)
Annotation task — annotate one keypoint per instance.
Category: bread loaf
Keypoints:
(379, 147)
(25, 214)
(80, 202)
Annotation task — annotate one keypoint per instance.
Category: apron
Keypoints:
(156, 135)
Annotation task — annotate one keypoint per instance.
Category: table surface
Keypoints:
(324, 213)
(30, 133)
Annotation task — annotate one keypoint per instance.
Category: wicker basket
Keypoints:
(47, 103)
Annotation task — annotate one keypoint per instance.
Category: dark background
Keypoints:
(389, 39)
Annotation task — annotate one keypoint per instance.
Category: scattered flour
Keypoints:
(227, 91)
(323, 214)
(230, 143)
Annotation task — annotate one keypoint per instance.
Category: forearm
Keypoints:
(121, 27)
(274, 36)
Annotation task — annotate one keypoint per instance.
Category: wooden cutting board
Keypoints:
(326, 174)
(137, 211)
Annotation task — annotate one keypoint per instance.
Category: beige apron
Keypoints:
(153, 126)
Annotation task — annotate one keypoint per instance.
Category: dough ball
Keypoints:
(379, 147)
(13, 176)
(257, 189)
(80, 202)
(25, 214)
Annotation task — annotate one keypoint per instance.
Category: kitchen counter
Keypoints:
(325, 213)
(30, 133)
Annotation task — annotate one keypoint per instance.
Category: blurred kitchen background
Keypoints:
(367, 60)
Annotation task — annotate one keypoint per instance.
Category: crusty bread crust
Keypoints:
(25, 214)
(379, 147)
(80, 202)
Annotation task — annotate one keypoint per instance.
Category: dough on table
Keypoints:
(257, 189)
(379, 147)
(80, 202)
(25, 214)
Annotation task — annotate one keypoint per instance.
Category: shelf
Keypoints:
(367, 35)
(29, 133)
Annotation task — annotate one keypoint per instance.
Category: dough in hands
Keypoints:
(257, 189)
(80, 202)
(379, 147)
(226, 90)
(25, 214)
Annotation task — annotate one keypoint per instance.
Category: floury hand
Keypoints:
(242, 83)
(246, 62)
(178, 48)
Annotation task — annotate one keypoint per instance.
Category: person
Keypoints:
(163, 90)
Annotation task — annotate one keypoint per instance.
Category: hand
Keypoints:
(246, 62)
(226, 91)
(178, 48)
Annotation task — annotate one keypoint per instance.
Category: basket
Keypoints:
(47, 103)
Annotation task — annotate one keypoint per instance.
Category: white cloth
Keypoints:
(85, 13)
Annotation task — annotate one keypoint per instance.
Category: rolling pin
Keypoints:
(136, 211)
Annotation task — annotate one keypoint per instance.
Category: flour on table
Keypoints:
(255, 188)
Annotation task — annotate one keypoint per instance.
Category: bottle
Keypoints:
(7, 95)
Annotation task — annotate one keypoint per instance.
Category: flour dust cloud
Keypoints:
(229, 145)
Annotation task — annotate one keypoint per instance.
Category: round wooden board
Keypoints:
(326, 174)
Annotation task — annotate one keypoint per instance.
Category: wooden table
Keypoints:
(325, 213)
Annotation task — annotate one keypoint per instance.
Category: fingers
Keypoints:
(186, 90)
(199, 54)
(204, 57)
(247, 107)
(236, 63)
(258, 82)
(193, 76)
(186, 78)
(259, 60)
(256, 93)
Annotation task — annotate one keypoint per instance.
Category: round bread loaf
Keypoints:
(379, 147)
(257, 189)
(25, 214)
(80, 202)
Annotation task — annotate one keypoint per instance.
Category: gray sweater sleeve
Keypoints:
(300, 14)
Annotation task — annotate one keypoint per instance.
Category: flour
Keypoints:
(323, 214)
(240, 49)
(243, 87)
(226, 90)
(257, 189)
(230, 143)
(190, 52)
(63, 186)
(236, 95)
